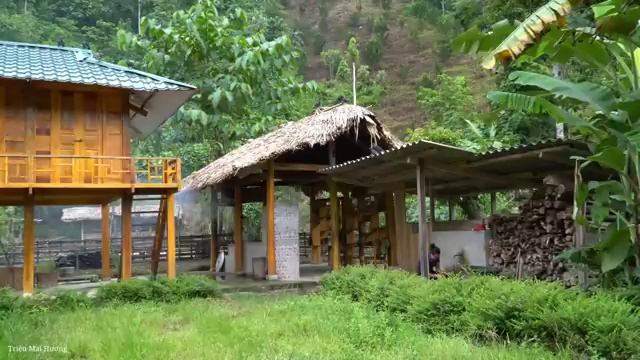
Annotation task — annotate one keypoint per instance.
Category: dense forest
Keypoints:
(260, 63)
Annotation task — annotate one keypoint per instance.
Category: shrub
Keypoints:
(161, 290)
(8, 300)
(70, 300)
(493, 309)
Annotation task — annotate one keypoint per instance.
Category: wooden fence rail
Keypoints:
(187, 247)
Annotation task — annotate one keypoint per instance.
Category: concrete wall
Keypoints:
(452, 238)
(251, 249)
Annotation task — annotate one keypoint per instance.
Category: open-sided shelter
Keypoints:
(441, 172)
(291, 155)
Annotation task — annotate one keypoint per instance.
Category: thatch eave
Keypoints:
(318, 129)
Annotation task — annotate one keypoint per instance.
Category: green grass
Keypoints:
(243, 327)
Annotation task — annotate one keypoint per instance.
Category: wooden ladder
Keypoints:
(161, 225)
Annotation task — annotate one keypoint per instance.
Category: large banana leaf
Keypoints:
(537, 105)
(600, 98)
(551, 14)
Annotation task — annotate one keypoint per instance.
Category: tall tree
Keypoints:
(247, 83)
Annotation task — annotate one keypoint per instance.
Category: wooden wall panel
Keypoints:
(114, 134)
(41, 120)
(66, 138)
(15, 124)
(62, 122)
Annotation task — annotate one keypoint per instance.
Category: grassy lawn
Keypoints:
(239, 327)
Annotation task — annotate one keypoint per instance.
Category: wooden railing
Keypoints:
(35, 170)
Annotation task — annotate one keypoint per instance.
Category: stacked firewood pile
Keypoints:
(525, 245)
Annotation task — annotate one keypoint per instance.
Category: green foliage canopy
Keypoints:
(247, 83)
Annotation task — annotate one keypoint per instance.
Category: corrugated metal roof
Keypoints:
(533, 146)
(421, 146)
(23, 61)
(403, 151)
(454, 171)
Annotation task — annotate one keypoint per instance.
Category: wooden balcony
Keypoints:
(79, 172)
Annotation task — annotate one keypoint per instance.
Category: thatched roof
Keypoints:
(320, 128)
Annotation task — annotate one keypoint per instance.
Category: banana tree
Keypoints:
(605, 112)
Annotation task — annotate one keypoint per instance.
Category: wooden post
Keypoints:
(390, 217)
(432, 206)
(161, 224)
(493, 203)
(126, 244)
(335, 226)
(422, 218)
(375, 235)
(359, 224)
(346, 233)
(213, 253)
(271, 217)
(171, 235)
(237, 229)
(403, 246)
(316, 241)
(106, 243)
(28, 267)
(579, 231)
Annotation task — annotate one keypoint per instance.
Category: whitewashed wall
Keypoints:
(287, 225)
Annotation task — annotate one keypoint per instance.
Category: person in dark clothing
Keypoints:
(434, 261)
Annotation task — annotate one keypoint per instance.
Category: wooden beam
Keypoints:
(335, 226)
(213, 248)
(271, 217)
(390, 217)
(28, 242)
(106, 243)
(332, 153)
(126, 245)
(299, 167)
(422, 218)
(171, 235)
(238, 241)
(138, 110)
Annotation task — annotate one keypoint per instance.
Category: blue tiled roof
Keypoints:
(77, 66)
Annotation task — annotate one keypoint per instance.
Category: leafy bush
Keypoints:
(493, 309)
(7, 300)
(132, 291)
(11, 302)
(161, 290)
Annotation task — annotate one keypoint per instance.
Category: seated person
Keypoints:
(434, 261)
